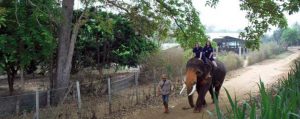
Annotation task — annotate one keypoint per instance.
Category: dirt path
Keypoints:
(239, 82)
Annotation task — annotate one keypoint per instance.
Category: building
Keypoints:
(228, 42)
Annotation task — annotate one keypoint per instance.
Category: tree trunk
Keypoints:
(64, 42)
(22, 78)
(10, 84)
(10, 79)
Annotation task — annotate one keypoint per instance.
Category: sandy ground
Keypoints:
(239, 82)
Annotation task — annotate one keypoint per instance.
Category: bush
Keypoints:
(231, 60)
(266, 51)
(170, 61)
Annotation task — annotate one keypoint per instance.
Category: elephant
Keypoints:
(202, 77)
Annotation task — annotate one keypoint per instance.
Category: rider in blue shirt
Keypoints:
(197, 50)
(208, 53)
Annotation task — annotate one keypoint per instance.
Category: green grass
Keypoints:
(282, 102)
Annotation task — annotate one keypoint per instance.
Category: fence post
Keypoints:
(78, 97)
(37, 104)
(109, 95)
(136, 87)
(18, 106)
(48, 98)
(240, 51)
(217, 51)
(154, 78)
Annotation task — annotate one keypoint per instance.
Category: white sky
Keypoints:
(227, 15)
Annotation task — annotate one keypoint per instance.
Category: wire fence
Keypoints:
(82, 101)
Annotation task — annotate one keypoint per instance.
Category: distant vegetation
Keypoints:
(266, 51)
(285, 36)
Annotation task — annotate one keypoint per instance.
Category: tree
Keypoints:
(277, 35)
(158, 11)
(24, 37)
(296, 27)
(192, 33)
(115, 43)
(290, 36)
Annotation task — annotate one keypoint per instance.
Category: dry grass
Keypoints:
(97, 107)
(169, 61)
(266, 51)
(231, 60)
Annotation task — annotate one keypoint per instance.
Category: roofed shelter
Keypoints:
(228, 43)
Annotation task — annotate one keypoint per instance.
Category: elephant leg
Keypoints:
(204, 102)
(201, 98)
(191, 102)
(217, 89)
(211, 91)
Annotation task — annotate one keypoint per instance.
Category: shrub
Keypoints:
(231, 60)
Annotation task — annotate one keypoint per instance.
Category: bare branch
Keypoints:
(117, 5)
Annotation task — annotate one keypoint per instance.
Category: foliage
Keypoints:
(280, 103)
(25, 37)
(109, 38)
(193, 33)
(2, 16)
(261, 14)
(291, 35)
(178, 18)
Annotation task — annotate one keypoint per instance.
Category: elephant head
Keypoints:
(196, 73)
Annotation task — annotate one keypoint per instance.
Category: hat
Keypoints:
(164, 76)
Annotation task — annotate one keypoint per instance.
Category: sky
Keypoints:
(228, 16)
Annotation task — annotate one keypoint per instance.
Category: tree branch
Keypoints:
(16, 13)
(75, 31)
(172, 16)
(118, 6)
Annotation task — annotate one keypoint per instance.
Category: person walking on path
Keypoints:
(164, 88)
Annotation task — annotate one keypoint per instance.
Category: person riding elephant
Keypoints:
(208, 53)
(197, 50)
(197, 79)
